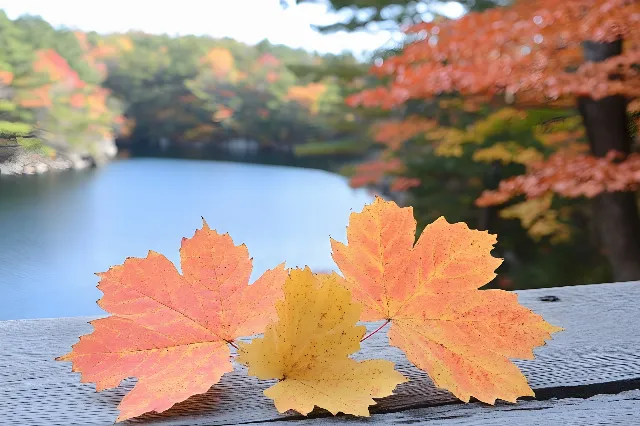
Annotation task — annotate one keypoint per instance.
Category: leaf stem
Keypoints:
(233, 344)
(375, 331)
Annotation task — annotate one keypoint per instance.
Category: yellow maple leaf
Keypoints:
(307, 350)
(461, 336)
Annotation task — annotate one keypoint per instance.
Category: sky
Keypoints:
(249, 21)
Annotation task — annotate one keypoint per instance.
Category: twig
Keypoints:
(375, 331)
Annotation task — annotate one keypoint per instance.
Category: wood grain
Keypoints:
(619, 409)
(600, 345)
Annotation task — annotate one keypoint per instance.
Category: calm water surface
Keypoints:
(58, 229)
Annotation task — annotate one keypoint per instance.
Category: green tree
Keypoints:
(379, 15)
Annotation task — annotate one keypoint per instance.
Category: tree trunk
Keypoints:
(489, 214)
(616, 213)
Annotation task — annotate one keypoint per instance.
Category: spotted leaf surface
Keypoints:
(462, 337)
(307, 350)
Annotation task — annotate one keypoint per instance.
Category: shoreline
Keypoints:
(23, 163)
(18, 161)
(31, 163)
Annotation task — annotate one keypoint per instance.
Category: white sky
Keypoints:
(249, 21)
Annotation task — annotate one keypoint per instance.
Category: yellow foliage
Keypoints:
(201, 131)
(307, 350)
(221, 62)
(125, 43)
(308, 95)
(537, 217)
(494, 123)
(528, 211)
(450, 140)
(568, 134)
(508, 152)
(450, 103)
(548, 226)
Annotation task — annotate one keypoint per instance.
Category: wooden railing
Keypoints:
(588, 374)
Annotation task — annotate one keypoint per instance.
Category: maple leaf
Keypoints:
(307, 350)
(172, 331)
(461, 336)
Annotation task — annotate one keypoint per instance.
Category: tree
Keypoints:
(553, 53)
(389, 14)
(70, 112)
(40, 35)
(15, 59)
(50, 94)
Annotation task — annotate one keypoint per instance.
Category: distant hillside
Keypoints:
(71, 94)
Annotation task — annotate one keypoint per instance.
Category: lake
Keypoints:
(58, 229)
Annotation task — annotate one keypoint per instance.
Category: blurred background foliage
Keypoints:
(64, 91)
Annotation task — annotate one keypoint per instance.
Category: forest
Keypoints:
(521, 119)
(68, 90)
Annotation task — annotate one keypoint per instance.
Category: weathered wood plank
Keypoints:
(618, 409)
(600, 345)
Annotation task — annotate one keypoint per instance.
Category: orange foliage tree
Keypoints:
(220, 61)
(558, 53)
(308, 95)
(69, 110)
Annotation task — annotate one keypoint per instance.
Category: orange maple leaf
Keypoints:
(461, 336)
(172, 331)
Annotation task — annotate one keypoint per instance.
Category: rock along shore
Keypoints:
(18, 161)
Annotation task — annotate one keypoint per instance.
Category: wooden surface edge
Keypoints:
(597, 345)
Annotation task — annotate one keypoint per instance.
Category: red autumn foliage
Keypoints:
(401, 183)
(530, 53)
(571, 175)
(94, 55)
(58, 69)
(269, 61)
(64, 88)
(526, 50)
(373, 171)
(394, 133)
(223, 113)
(77, 100)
